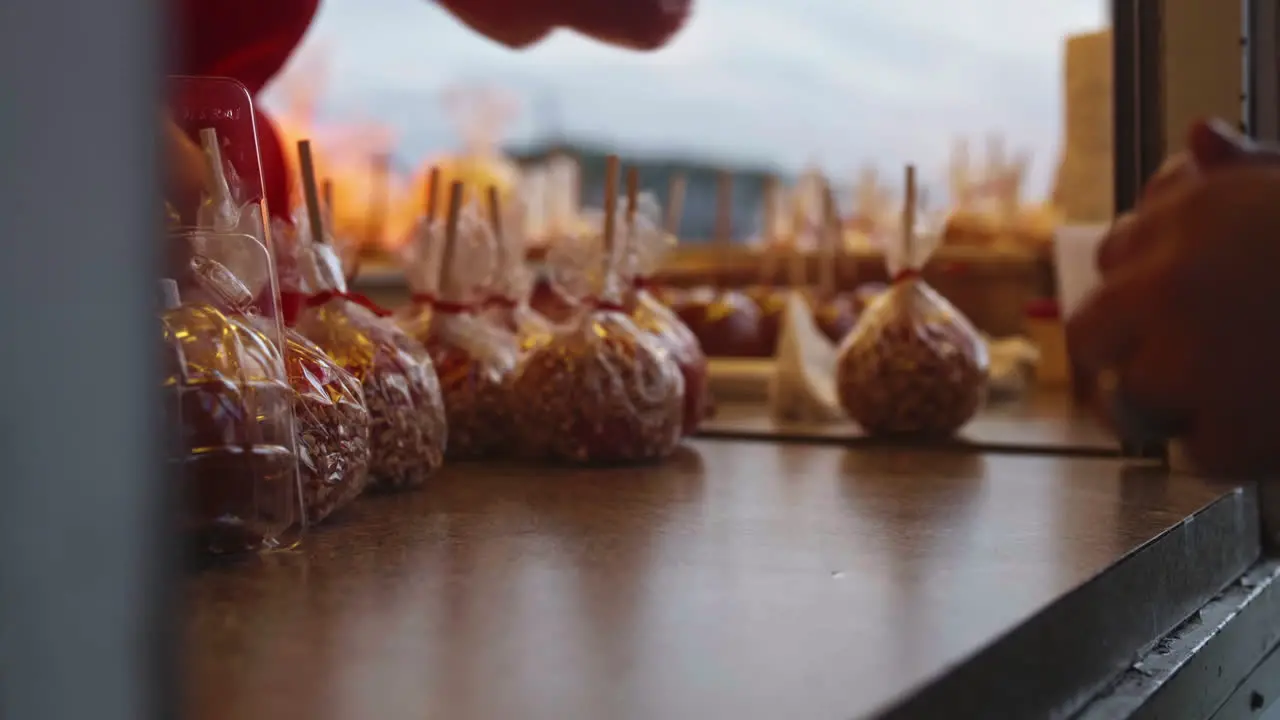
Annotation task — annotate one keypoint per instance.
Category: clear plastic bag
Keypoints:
(913, 365)
(507, 299)
(225, 376)
(601, 390)
(474, 359)
(333, 426)
(650, 244)
(408, 430)
(227, 392)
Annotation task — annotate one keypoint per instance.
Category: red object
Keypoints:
(514, 23)
(772, 302)
(904, 275)
(550, 302)
(836, 316)
(250, 41)
(637, 24)
(291, 303)
(727, 324)
(1044, 309)
(226, 106)
(444, 306)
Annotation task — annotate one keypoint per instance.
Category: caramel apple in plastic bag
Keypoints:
(226, 391)
(726, 321)
(474, 358)
(332, 427)
(401, 389)
(506, 303)
(601, 390)
(646, 246)
(834, 311)
(913, 366)
(330, 419)
(770, 299)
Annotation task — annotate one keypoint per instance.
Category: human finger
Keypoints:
(1214, 143)
(1153, 380)
(635, 24)
(1174, 173)
(1103, 331)
(1232, 444)
(513, 24)
(1118, 244)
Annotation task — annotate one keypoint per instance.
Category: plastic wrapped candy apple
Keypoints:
(401, 389)
(330, 419)
(474, 358)
(669, 296)
(646, 244)
(769, 296)
(332, 427)
(506, 302)
(225, 391)
(726, 321)
(834, 311)
(548, 300)
(914, 365)
(602, 390)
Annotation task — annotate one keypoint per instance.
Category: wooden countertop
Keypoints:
(739, 580)
(1042, 422)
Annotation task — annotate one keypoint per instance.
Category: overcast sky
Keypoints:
(787, 82)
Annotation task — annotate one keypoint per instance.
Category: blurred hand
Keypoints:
(1187, 314)
(637, 24)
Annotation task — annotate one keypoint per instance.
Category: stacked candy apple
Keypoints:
(601, 390)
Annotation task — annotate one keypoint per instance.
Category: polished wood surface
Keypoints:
(738, 580)
(1043, 422)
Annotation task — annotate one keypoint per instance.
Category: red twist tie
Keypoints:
(444, 306)
(905, 275)
(290, 306)
(325, 296)
(644, 282)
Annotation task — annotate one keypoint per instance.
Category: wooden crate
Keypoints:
(991, 287)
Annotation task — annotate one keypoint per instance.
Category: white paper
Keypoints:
(803, 387)
(1075, 250)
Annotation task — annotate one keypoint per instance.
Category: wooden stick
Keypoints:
(828, 238)
(445, 281)
(306, 165)
(495, 212)
(433, 183)
(611, 168)
(909, 215)
(495, 222)
(675, 204)
(326, 195)
(769, 266)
